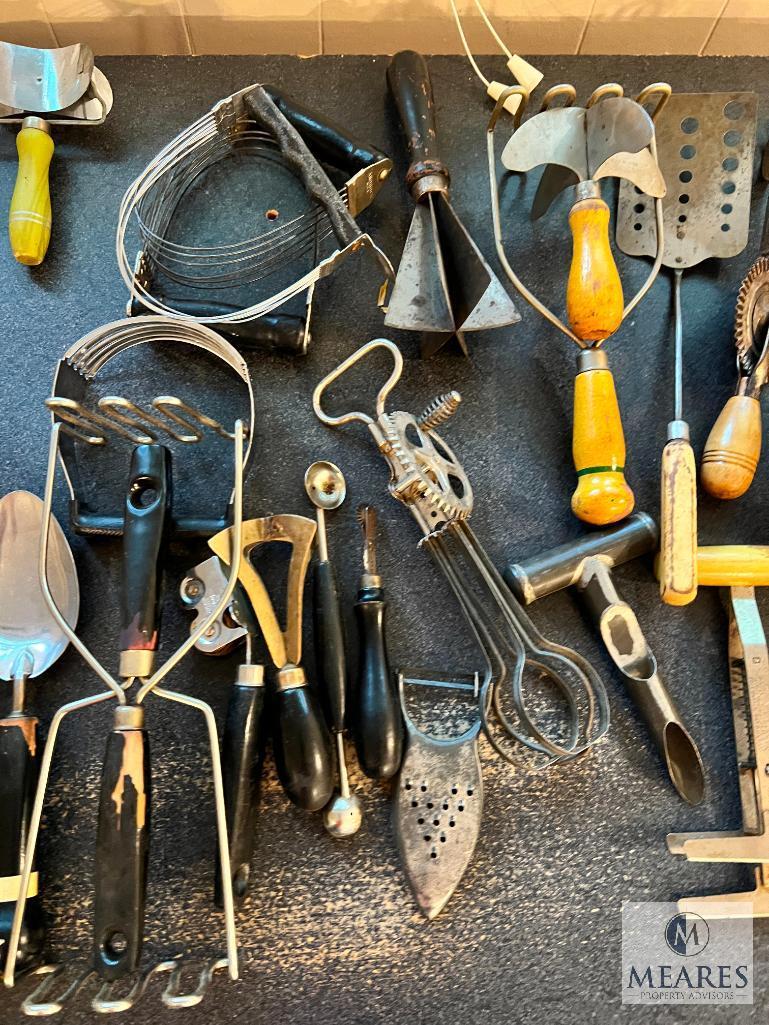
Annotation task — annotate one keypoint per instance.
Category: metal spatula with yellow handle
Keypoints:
(40, 88)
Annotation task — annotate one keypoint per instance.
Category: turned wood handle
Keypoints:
(602, 495)
(733, 566)
(29, 220)
(594, 301)
(678, 524)
(732, 449)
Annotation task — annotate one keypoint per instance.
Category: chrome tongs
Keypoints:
(427, 477)
(749, 681)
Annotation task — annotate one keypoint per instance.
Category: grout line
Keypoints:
(583, 33)
(49, 23)
(186, 27)
(321, 33)
(713, 28)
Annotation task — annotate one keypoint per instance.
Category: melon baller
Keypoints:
(124, 808)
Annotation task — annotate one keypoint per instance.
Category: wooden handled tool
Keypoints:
(594, 300)
(678, 491)
(603, 495)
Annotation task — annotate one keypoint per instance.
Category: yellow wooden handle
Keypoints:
(29, 223)
(732, 449)
(594, 301)
(678, 524)
(733, 566)
(602, 494)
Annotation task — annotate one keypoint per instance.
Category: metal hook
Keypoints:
(344, 366)
(501, 104)
(661, 89)
(604, 91)
(568, 92)
(171, 996)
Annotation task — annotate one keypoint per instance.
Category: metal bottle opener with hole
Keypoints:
(439, 800)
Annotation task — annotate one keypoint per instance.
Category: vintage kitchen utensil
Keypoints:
(428, 478)
(733, 447)
(300, 740)
(123, 826)
(705, 145)
(438, 801)
(749, 680)
(302, 210)
(327, 489)
(30, 642)
(612, 136)
(444, 287)
(38, 89)
(244, 737)
(586, 564)
(377, 721)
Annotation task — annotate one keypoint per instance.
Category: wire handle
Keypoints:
(344, 366)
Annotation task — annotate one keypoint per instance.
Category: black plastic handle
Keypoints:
(329, 141)
(329, 645)
(273, 332)
(302, 748)
(412, 90)
(146, 521)
(122, 848)
(242, 757)
(19, 765)
(378, 723)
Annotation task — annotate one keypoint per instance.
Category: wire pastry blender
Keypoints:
(124, 809)
(611, 136)
(258, 123)
(427, 477)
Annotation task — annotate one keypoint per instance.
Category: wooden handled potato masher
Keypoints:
(123, 843)
(612, 136)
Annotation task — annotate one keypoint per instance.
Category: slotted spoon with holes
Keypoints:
(705, 144)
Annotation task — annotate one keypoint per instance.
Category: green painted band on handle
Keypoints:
(600, 469)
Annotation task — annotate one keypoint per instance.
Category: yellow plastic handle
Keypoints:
(732, 449)
(733, 566)
(603, 495)
(29, 223)
(678, 524)
(594, 301)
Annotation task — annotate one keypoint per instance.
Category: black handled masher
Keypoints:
(586, 564)
(444, 286)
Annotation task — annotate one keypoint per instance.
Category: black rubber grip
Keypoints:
(302, 748)
(330, 660)
(242, 757)
(297, 155)
(328, 140)
(411, 88)
(378, 723)
(273, 332)
(122, 847)
(145, 528)
(19, 765)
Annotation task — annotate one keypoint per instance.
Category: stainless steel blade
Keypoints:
(553, 181)
(614, 126)
(40, 81)
(552, 137)
(420, 297)
(90, 109)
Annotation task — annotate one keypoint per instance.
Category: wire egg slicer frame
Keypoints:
(429, 480)
(261, 124)
(119, 903)
(611, 136)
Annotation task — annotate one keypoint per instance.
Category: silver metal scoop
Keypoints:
(30, 640)
(41, 81)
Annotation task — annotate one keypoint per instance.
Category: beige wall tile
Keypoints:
(384, 26)
(120, 26)
(650, 26)
(246, 26)
(25, 22)
(742, 29)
